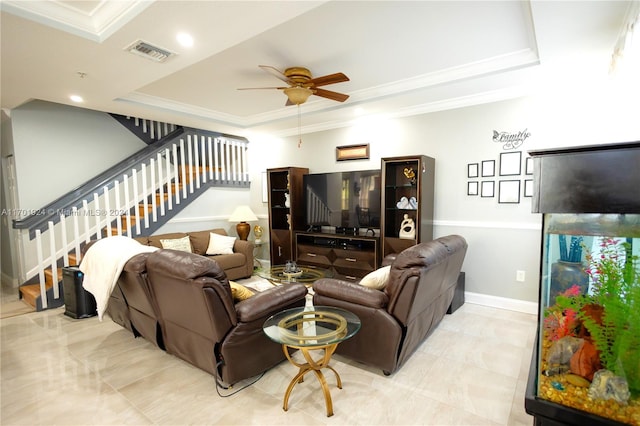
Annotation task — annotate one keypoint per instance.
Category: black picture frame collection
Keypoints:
(511, 189)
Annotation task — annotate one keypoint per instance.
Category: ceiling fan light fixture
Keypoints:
(298, 95)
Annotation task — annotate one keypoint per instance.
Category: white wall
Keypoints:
(59, 147)
(7, 263)
(503, 238)
(210, 210)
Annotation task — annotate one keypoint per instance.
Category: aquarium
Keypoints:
(585, 368)
(589, 331)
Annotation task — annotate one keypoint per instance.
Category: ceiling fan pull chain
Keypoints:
(299, 127)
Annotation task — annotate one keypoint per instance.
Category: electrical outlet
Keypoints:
(520, 276)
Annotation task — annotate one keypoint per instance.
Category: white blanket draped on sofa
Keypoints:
(103, 263)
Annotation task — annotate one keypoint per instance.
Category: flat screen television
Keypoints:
(348, 200)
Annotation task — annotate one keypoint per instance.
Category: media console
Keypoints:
(349, 257)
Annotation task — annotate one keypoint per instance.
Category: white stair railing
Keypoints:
(155, 129)
(175, 173)
(317, 211)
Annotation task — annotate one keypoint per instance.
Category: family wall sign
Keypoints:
(511, 140)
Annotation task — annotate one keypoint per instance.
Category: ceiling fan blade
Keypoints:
(275, 72)
(329, 79)
(260, 88)
(335, 96)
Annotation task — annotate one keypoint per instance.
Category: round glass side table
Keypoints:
(309, 329)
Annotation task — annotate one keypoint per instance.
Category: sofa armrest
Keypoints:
(244, 247)
(136, 264)
(350, 292)
(269, 302)
(388, 259)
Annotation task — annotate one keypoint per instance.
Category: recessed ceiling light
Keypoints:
(76, 98)
(185, 39)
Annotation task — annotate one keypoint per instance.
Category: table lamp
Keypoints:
(242, 214)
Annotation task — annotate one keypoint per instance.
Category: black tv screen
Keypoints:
(343, 199)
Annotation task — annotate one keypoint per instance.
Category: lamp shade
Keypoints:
(242, 214)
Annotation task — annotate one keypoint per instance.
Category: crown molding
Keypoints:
(98, 24)
(498, 64)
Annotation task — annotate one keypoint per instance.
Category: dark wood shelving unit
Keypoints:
(285, 220)
(395, 186)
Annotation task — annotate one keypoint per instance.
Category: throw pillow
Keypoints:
(182, 244)
(377, 279)
(220, 244)
(239, 292)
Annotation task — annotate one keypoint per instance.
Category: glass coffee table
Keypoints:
(312, 328)
(306, 275)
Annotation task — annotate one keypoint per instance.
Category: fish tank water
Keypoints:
(589, 331)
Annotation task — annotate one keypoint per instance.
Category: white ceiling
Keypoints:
(403, 58)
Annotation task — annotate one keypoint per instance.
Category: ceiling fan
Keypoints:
(302, 84)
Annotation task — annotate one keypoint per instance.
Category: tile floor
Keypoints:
(56, 370)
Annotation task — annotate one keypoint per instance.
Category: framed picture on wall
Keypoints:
(488, 168)
(528, 167)
(528, 188)
(265, 189)
(487, 189)
(509, 192)
(472, 170)
(510, 163)
(472, 188)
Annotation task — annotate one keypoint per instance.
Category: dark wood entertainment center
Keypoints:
(349, 253)
(349, 257)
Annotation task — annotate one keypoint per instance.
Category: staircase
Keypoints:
(136, 200)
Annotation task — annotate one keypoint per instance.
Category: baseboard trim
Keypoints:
(8, 281)
(501, 302)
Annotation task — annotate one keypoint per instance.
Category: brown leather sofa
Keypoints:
(202, 325)
(134, 288)
(130, 301)
(237, 265)
(397, 319)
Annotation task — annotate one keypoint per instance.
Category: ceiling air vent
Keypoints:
(149, 51)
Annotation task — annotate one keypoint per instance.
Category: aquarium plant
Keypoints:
(615, 295)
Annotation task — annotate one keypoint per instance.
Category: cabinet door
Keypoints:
(280, 246)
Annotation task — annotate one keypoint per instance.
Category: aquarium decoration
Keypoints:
(596, 335)
(574, 253)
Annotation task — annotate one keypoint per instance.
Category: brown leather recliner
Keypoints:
(396, 320)
(134, 287)
(202, 325)
(130, 302)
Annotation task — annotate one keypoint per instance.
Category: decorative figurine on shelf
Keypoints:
(407, 203)
(410, 174)
(407, 228)
(287, 203)
(257, 231)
